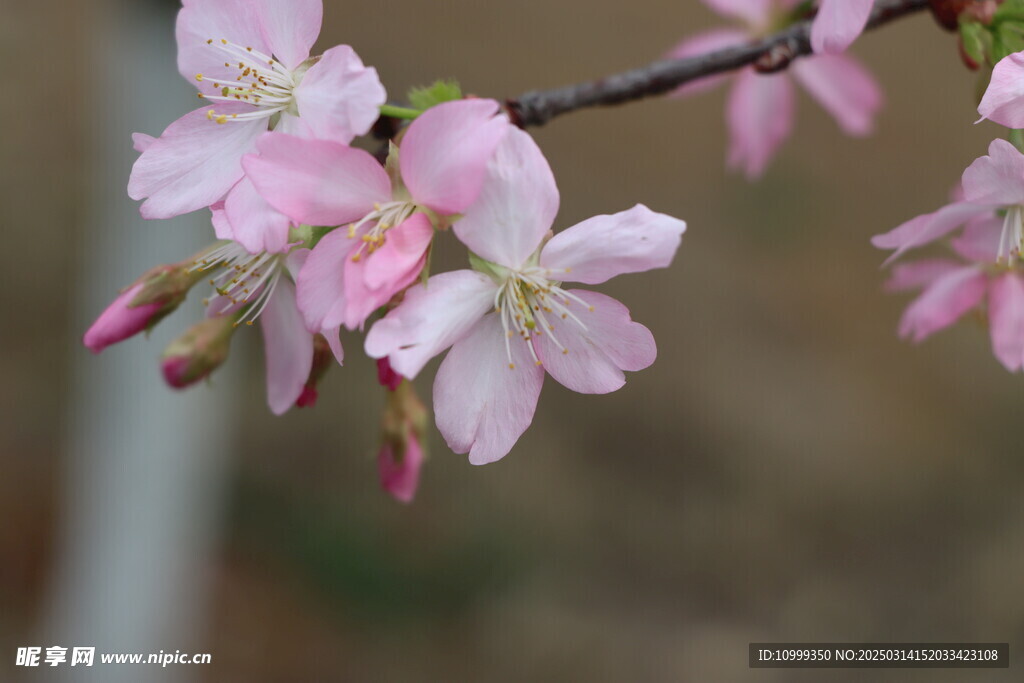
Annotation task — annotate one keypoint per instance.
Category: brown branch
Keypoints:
(768, 54)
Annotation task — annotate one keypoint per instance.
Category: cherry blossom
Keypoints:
(510, 318)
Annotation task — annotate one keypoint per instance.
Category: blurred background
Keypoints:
(787, 471)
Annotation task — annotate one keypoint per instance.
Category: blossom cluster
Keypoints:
(314, 234)
(981, 230)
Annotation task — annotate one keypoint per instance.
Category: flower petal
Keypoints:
(317, 182)
(339, 98)
(997, 178)
(927, 228)
(401, 479)
(288, 347)
(221, 225)
(838, 24)
(752, 12)
(430, 319)
(844, 88)
(321, 281)
(918, 274)
(602, 247)
(194, 162)
(256, 225)
(202, 21)
(1006, 317)
(943, 303)
(516, 206)
(1003, 101)
(597, 355)
(404, 249)
(361, 300)
(980, 239)
(481, 405)
(760, 117)
(290, 27)
(445, 152)
(141, 142)
(701, 44)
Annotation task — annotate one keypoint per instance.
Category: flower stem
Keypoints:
(399, 112)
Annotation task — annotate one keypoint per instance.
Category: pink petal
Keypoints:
(980, 239)
(200, 21)
(361, 300)
(597, 355)
(321, 281)
(404, 249)
(927, 228)
(445, 152)
(943, 303)
(430, 319)
(517, 204)
(316, 182)
(141, 142)
(256, 225)
(602, 247)
(755, 13)
(1003, 101)
(221, 225)
(481, 405)
(838, 24)
(918, 274)
(760, 117)
(290, 27)
(1006, 318)
(288, 347)
(194, 162)
(401, 479)
(997, 178)
(701, 44)
(295, 262)
(844, 88)
(339, 98)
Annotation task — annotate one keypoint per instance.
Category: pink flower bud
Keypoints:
(401, 453)
(120, 320)
(386, 375)
(400, 470)
(145, 303)
(197, 353)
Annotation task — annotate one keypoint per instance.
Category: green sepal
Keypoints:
(1010, 10)
(977, 41)
(433, 95)
(308, 235)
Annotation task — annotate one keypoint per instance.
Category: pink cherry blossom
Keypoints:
(251, 59)
(838, 24)
(511, 319)
(354, 271)
(258, 286)
(988, 274)
(1003, 101)
(401, 476)
(761, 108)
(991, 183)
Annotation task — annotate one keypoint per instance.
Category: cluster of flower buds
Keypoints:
(314, 234)
(982, 230)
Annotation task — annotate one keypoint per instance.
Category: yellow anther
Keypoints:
(199, 77)
(351, 231)
(224, 119)
(538, 364)
(249, 322)
(224, 41)
(565, 352)
(357, 258)
(209, 114)
(511, 366)
(591, 309)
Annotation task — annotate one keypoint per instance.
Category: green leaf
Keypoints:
(440, 91)
(977, 42)
(1010, 10)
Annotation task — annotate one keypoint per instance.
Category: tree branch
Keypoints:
(769, 54)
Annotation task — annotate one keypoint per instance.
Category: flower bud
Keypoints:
(195, 354)
(401, 453)
(140, 307)
(323, 358)
(386, 374)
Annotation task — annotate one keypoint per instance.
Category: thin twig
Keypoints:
(767, 54)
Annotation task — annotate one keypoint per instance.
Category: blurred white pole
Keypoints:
(145, 466)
